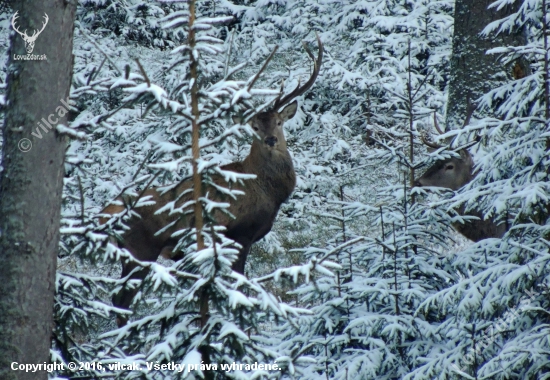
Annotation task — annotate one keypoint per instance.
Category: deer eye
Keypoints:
(449, 167)
(255, 128)
(278, 123)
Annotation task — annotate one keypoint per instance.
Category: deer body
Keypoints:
(254, 212)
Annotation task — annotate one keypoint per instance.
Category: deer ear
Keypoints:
(289, 111)
(466, 156)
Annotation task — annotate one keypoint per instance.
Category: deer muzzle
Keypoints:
(271, 140)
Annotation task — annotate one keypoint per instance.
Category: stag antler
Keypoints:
(263, 68)
(279, 102)
(470, 108)
(430, 143)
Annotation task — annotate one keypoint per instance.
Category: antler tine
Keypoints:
(429, 143)
(299, 90)
(470, 109)
(468, 145)
(280, 92)
(279, 102)
(436, 125)
(309, 51)
(263, 68)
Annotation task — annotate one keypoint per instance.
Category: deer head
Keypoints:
(29, 40)
(268, 125)
(454, 172)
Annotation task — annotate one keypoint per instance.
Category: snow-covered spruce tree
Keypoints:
(363, 323)
(130, 21)
(197, 309)
(496, 316)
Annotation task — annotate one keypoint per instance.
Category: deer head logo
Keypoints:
(29, 40)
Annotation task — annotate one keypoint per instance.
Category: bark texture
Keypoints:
(31, 184)
(473, 72)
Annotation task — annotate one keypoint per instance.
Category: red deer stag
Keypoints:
(254, 213)
(453, 173)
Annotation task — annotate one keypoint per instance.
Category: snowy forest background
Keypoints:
(362, 276)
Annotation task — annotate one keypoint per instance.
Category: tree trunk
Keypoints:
(31, 183)
(473, 72)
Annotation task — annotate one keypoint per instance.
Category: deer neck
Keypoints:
(273, 168)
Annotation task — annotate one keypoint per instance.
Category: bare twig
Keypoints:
(99, 68)
(263, 68)
(83, 31)
(90, 76)
(143, 72)
(228, 55)
(141, 165)
(81, 198)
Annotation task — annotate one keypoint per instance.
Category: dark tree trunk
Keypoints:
(473, 72)
(31, 184)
